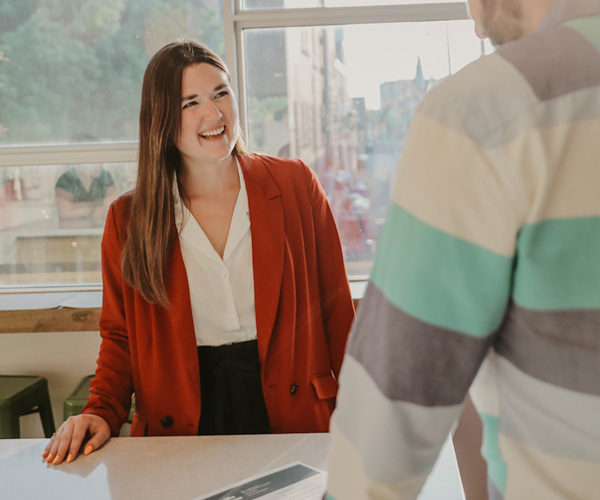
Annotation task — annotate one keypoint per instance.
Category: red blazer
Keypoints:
(303, 315)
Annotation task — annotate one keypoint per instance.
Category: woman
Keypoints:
(226, 305)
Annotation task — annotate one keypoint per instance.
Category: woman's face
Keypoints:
(209, 115)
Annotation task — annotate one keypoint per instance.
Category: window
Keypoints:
(333, 82)
(341, 97)
(70, 80)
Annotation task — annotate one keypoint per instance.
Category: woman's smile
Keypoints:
(214, 133)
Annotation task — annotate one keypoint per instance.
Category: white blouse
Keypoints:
(221, 289)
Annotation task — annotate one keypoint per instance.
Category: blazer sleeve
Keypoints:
(334, 288)
(112, 386)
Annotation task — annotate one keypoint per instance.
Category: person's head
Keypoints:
(161, 106)
(162, 146)
(505, 20)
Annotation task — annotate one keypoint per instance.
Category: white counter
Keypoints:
(172, 468)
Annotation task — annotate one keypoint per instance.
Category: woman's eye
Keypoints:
(188, 104)
(222, 93)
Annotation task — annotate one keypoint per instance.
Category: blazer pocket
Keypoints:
(139, 426)
(326, 387)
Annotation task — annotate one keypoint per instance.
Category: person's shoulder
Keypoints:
(482, 100)
(274, 161)
(499, 95)
(278, 167)
(121, 207)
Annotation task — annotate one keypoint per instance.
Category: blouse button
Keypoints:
(166, 421)
(293, 389)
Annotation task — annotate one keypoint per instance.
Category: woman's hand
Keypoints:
(68, 439)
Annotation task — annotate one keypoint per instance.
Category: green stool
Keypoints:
(21, 395)
(78, 398)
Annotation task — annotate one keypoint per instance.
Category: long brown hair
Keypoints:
(152, 220)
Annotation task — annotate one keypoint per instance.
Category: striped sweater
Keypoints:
(487, 277)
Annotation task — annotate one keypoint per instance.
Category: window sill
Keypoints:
(80, 312)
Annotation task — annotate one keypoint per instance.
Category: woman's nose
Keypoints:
(210, 111)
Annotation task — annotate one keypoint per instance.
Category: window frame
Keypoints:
(236, 20)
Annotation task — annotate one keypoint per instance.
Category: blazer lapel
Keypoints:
(268, 240)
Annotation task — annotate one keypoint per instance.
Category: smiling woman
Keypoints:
(230, 254)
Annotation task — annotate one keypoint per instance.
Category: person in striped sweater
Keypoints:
(487, 275)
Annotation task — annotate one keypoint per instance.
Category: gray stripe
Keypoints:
(493, 492)
(556, 421)
(558, 347)
(411, 360)
(555, 61)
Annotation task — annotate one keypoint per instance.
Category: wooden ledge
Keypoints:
(62, 319)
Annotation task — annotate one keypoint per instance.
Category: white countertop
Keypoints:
(172, 468)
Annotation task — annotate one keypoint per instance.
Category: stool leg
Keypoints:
(46, 415)
(9, 425)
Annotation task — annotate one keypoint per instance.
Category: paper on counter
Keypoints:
(295, 481)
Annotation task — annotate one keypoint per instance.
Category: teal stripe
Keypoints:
(438, 278)
(490, 450)
(588, 27)
(558, 265)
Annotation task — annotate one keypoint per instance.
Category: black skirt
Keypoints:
(231, 391)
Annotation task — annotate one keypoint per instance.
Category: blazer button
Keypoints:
(167, 421)
(293, 389)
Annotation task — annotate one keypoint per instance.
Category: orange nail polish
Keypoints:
(88, 449)
(56, 460)
(49, 458)
(69, 458)
(44, 453)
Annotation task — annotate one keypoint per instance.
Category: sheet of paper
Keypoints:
(295, 481)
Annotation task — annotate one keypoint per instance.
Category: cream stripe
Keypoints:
(571, 189)
(488, 121)
(347, 479)
(484, 392)
(481, 196)
(553, 419)
(536, 475)
(448, 181)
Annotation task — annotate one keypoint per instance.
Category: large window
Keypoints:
(341, 98)
(333, 82)
(70, 80)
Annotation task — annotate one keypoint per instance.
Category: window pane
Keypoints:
(51, 221)
(298, 4)
(341, 99)
(71, 70)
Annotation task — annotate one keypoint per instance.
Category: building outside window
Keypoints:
(333, 82)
